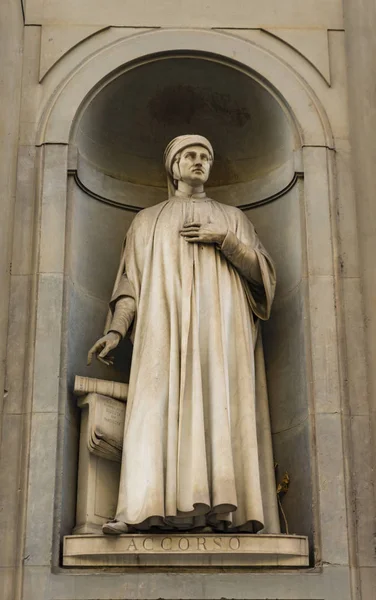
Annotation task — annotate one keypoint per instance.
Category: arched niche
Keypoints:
(292, 215)
(119, 139)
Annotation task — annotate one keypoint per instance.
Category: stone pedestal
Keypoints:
(186, 549)
(102, 425)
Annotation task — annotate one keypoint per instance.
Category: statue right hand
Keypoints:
(103, 346)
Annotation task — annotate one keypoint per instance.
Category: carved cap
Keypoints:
(183, 141)
(177, 145)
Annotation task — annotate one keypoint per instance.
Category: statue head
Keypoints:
(188, 158)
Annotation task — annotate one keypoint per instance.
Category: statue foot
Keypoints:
(115, 528)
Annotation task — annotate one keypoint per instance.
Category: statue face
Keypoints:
(194, 165)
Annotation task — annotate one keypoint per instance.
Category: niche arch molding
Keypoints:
(62, 110)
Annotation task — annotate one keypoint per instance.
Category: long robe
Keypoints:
(195, 440)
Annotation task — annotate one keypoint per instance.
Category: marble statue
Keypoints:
(193, 284)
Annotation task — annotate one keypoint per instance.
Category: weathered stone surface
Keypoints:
(12, 434)
(47, 351)
(313, 45)
(41, 489)
(57, 40)
(53, 209)
(7, 579)
(252, 584)
(316, 13)
(186, 549)
(331, 481)
(102, 424)
(341, 254)
(11, 32)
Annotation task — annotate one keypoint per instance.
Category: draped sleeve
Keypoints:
(244, 250)
(123, 302)
(129, 275)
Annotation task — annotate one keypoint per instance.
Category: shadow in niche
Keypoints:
(120, 140)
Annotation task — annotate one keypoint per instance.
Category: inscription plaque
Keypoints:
(186, 549)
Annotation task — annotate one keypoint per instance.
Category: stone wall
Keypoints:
(11, 408)
(361, 46)
(69, 191)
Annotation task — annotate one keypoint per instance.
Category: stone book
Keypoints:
(105, 425)
(113, 389)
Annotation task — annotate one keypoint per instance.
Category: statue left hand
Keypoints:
(207, 233)
(103, 346)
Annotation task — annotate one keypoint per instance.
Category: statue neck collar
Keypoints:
(199, 195)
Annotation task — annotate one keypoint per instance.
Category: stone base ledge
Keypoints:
(185, 550)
